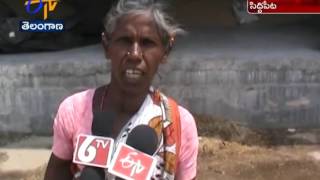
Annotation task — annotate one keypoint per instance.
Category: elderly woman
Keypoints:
(138, 38)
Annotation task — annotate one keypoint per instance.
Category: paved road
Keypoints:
(26, 154)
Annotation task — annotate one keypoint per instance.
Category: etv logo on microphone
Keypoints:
(34, 7)
(131, 164)
(93, 150)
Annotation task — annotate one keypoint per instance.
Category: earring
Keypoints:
(103, 35)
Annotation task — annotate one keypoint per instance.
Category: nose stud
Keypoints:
(129, 53)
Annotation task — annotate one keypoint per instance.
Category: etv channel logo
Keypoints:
(45, 25)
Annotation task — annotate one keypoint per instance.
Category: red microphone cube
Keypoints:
(93, 150)
(131, 164)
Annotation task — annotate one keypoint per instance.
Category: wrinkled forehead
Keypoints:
(135, 19)
(142, 20)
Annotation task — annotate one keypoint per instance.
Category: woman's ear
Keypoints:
(168, 49)
(164, 59)
(105, 44)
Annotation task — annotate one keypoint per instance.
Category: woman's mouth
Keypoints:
(133, 74)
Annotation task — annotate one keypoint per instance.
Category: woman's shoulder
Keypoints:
(189, 146)
(186, 118)
(79, 97)
(77, 102)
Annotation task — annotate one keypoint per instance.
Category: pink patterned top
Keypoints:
(74, 117)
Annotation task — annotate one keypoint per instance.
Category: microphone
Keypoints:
(92, 173)
(102, 123)
(134, 159)
(144, 139)
(101, 126)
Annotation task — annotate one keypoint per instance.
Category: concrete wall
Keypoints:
(231, 73)
(33, 85)
(279, 94)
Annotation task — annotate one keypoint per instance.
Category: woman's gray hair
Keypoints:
(166, 25)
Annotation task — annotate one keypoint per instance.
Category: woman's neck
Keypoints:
(123, 102)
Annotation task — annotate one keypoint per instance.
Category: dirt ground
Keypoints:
(228, 151)
(232, 152)
(223, 160)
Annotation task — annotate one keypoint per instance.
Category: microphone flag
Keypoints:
(93, 151)
(131, 164)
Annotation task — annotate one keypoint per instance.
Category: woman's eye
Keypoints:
(147, 42)
(125, 40)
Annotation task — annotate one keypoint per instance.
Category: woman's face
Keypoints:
(135, 50)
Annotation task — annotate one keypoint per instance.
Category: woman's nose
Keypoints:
(135, 53)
